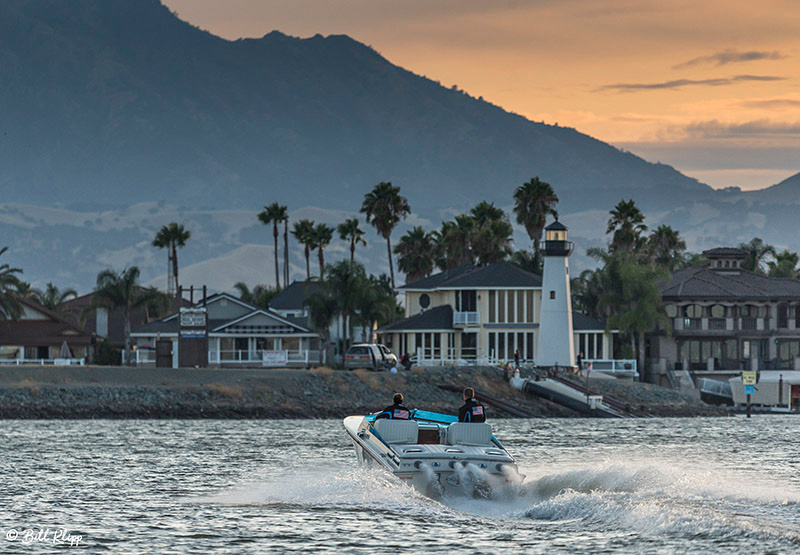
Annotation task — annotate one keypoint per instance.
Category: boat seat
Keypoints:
(397, 431)
(469, 433)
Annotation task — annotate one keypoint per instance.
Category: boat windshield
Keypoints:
(424, 416)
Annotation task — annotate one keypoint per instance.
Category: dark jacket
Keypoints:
(395, 412)
(472, 411)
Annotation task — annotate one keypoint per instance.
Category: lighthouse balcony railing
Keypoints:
(470, 318)
(557, 248)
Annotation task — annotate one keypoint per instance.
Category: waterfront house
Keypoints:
(482, 313)
(41, 336)
(724, 319)
(239, 334)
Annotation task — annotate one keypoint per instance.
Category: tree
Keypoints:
(274, 214)
(586, 291)
(53, 298)
(530, 261)
(322, 308)
(384, 207)
(303, 231)
(627, 225)
(757, 250)
(349, 231)
(121, 291)
(453, 242)
(10, 309)
(374, 305)
(665, 247)
(415, 254)
(784, 265)
(261, 295)
(343, 280)
(171, 237)
(533, 201)
(323, 234)
(491, 240)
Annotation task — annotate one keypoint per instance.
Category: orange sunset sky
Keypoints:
(710, 87)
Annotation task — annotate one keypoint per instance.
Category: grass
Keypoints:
(232, 391)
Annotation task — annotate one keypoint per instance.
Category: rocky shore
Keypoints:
(105, 392)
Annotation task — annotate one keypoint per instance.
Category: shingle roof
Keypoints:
(439, 318)
(556, 226)
(581, 322)
(724, 252)
(500, 274)
(293, 296)
(706, 283)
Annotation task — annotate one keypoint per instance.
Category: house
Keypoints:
(724, 319)
(482, 313)
(42, 336)
(239, 334)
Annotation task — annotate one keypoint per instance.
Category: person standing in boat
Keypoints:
(471, 410)
(396, 411)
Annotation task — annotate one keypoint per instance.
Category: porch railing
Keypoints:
(43, 361)
(466, 318)
(273, 358)
(612, 366)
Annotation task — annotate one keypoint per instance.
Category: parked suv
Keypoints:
(372, 356)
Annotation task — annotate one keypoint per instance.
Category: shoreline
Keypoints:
(92, 392)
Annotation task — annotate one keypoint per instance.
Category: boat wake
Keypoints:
(654, 500)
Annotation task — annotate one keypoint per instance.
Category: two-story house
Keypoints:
(481, 313)
(724, 319)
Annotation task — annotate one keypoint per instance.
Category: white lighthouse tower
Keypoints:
(555, 345)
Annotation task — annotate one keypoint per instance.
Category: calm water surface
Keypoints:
(593, 486)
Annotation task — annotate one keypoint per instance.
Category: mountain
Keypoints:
(112, 102)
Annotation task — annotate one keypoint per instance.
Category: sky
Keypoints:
(710, 87)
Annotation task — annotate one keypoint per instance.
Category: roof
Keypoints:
(556, 226)
(53, 330)
(438, 318)
(725, 252)
(293, 296)
(705, 283)
(471, 276)
(582, 322)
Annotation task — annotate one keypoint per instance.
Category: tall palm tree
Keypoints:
(260, 295)
(784, 265)
(121, 291)
(323, 234)
(533, 201)
(349, 231)
(286, 271)
(757, 250)
(665, 247)
(492, 239)
(53, 298)
(627, 225)
(453, 242)
(374, 305)
(274, 214)
(10, 309)
(344, 280)
(303, 231)
(322, 309)
(415, 254)
(171, 237)
(384, 207)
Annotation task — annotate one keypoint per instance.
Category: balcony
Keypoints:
(466, 318)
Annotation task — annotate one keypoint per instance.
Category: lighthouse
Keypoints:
(555, 344)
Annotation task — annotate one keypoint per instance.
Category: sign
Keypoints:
(274, 358)
(749, 389)
(193, 318)
(748, 377)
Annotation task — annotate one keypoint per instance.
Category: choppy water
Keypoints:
(644, 486)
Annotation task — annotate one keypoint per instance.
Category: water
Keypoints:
(644, 486)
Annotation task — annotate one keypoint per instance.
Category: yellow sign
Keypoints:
(748, 377)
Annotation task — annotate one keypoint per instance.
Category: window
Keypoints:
(521, 316)
(529, 345)
(492, 344)
(501, 306)
(424, 301)
(492, 307)
(531, 315)
(552, 294)
(510, 299)
(672, 310)
(469, 345)
(501, 345)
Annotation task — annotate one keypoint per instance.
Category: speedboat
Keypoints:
(436, 454)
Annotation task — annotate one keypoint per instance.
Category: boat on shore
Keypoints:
(435, 453)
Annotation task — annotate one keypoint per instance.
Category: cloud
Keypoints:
(715, 129)
(771, 104)
(678, 83)
(730, 56)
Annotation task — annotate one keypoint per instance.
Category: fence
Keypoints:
(43, 361)
(267, 358)
(625, 367)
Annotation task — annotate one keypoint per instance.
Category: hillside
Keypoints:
(118, 101)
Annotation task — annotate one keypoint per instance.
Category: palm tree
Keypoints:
(121, 291)
(53, 298)
(286, 251)
(9, 289)
(665, 247)
(343, 281)
(303, 231)
(756, 251)
(415, 254)
(530, 261)
(374, 305)
(171, 237)
(454, 242)
(274, 214)
(626, 223)
(349, 231)
(533, 201)
(322, 309)
(492, 239)
(384, 207)
(784, 265)
(261, 295)
(323, 234)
